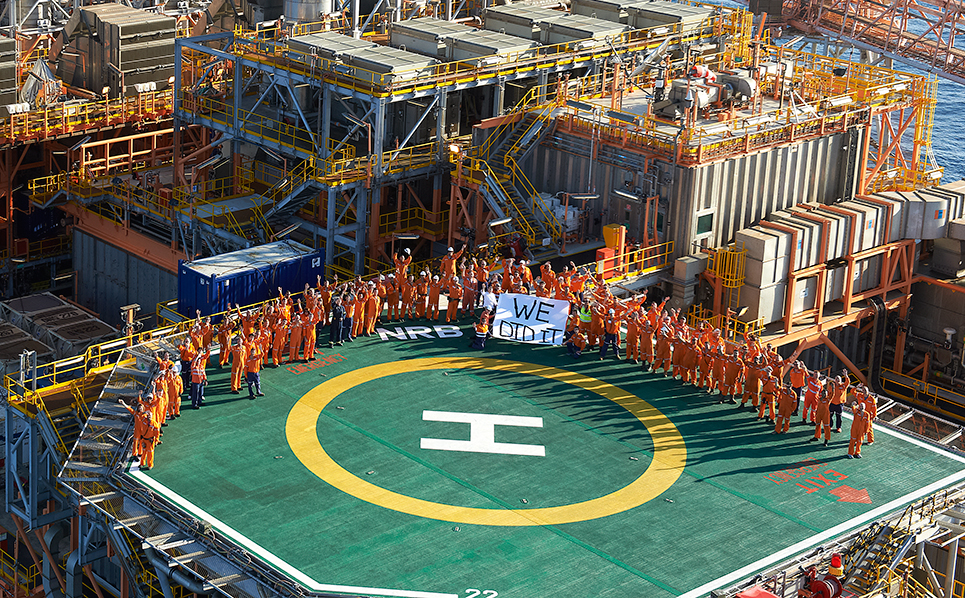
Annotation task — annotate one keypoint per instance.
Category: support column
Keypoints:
(441, 113)
(499, 95)
(7, 182)
(330, 227)
(373, 219)
(437, 193)
(542, 80)
(378, 136)
(362, 217)
(326, 128)
(952, 559)
(356, 32)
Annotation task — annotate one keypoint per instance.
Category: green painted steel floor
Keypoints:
(745, 495)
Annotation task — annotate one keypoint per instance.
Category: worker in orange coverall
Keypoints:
(310, 320)
(239, 354)
(146, 432)
(785, 407)
(294, 338)
(871, 408)
(373, 308)
(859, 429)
(280, 329)
(768, 394)
(435, 288)
(253, 368)
(456, 291)
(822, 417)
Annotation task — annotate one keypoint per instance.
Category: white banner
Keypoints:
(530, 319)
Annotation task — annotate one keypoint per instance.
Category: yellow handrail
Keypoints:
(548, 217)
(635, 262)
(25, 577)
(476, 165)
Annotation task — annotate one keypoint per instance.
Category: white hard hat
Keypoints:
(391, 275)
(407, 250)
(423, 273)
(451, 249)
(436, 277)
(612, 312)
(381, 277)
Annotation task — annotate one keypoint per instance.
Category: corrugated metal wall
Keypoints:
(934, 309)
(109, 278)
(737, 192)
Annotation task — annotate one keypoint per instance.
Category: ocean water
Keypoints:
(947, 133)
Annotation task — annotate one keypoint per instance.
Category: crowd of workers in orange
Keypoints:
(284, 330)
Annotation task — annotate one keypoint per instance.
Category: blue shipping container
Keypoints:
(246, 276)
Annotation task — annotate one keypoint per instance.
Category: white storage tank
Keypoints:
(608, 10)
(767, 255)
(834, 286)
(765, 303)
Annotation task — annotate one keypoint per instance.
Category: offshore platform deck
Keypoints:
(405, 464)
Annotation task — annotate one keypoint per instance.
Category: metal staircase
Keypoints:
(506, 188)
(292, 191)
(878, 550)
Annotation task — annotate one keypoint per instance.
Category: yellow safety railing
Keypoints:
(37, 250)
(476, 170)
(413, 219)
(730, 328)
(727, 263)
(549, 219)
(233, 186)
(25, 577)
(542, 118)
(822, 106)
(66, 118)
(266, 128)
(377, 268)
(916, 391)
(183, 200)
(635, 262)
(276, 52)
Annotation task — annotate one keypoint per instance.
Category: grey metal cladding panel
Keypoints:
(582, 27)
(429, 26)
(327, 43)
(111, 278)
(385, 59)
(499, 43)
(954, 200)
(521, 13)
(35, 303)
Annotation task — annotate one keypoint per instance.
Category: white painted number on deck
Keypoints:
(482, 434)
(473, 593)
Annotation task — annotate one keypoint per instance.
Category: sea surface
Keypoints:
(947, 134)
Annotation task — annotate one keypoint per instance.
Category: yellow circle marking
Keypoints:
(669, 458)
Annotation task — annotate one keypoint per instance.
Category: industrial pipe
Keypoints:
(51, 568)
(177, 576)
(75, 576)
